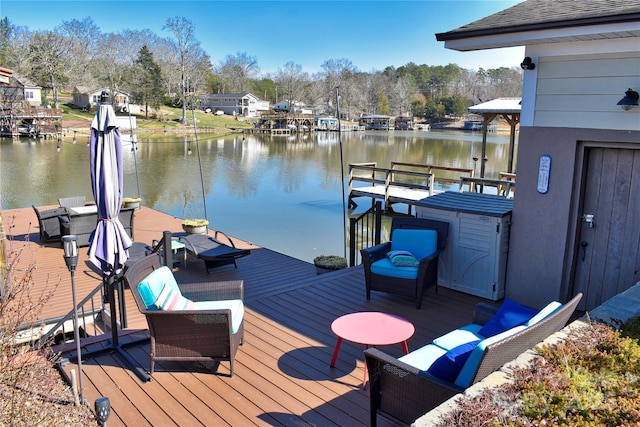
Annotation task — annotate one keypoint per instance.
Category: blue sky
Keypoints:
(372, 34)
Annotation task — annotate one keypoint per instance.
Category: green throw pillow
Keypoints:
(402, 259)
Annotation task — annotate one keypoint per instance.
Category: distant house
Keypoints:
(575, 216)
(84, 97)
(19, 89)
(234, 104)
(32, 92)
(292, 107)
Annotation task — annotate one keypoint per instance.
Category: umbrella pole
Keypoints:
(112, 283)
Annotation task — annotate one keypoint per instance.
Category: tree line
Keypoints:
(174, 69)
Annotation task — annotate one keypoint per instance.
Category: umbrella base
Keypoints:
(142, 374)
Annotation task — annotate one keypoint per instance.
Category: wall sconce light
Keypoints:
(527, 64)
(630, 100)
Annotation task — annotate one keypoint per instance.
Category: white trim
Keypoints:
(616, 33)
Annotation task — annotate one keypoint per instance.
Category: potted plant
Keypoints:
(195, 226)
(131, 202)
(328, 263)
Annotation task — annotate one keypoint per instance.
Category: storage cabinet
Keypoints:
(475, 260)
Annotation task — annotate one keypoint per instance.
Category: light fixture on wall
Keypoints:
(527, 64)
(630, 100)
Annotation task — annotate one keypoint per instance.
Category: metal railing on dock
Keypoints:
(364, 231)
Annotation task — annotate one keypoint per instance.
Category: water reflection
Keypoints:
(280, 192)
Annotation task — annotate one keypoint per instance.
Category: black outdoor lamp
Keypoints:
(103, 410)
(527, 64)
(104, 97)
(70, 246)
(630, 100)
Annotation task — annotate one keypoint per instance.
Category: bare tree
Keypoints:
(292, 81)
(163, 53)
(82, 37)
(15, 47)
(48, 53)
(338, 73)
(110, 66)
(183, 31)
(236, 69)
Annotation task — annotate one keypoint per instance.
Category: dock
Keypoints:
(401, 183)
(282, 374)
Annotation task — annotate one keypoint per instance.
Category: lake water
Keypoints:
(282, 193)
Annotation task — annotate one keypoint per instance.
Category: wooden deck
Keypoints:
(282, 374)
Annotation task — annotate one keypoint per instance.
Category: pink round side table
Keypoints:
(371, 328)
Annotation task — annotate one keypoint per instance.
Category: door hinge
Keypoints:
(497, 228)
(493, 289)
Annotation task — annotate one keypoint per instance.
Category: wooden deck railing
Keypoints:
(402, 183)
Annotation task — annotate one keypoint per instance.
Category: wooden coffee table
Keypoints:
(371, 328)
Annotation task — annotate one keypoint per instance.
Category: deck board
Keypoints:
(282, 374)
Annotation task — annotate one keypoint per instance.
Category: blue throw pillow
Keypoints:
(449, 365)
(509, 315)
(402, 259)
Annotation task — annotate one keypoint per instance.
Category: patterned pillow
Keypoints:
(170, 299)
(402, 259)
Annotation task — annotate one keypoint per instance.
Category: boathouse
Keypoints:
(21, 111)
(285, 123)
(403, 123)
(377, 122)
(575, 226)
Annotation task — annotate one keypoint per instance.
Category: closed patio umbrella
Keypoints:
(109, 244)
(108, 249)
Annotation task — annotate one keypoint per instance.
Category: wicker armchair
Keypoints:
(80, 224)
(426, 274)
(49, 224)
(193, 335)
(403, 392)
(126, 219)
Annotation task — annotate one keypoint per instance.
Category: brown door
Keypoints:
(608, 245)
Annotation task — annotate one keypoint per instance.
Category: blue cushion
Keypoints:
(470, 368)
(423, 357)
(448, 366)
(384, 267)
(152, 285)
(420, 243)
(509, 314)
(402, 259)
(148, 298)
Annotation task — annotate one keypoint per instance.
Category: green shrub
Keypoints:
(592, 378)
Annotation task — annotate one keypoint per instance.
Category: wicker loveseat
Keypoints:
(405, 389)
(209, 327)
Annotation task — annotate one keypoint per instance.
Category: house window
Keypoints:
(28, 95)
